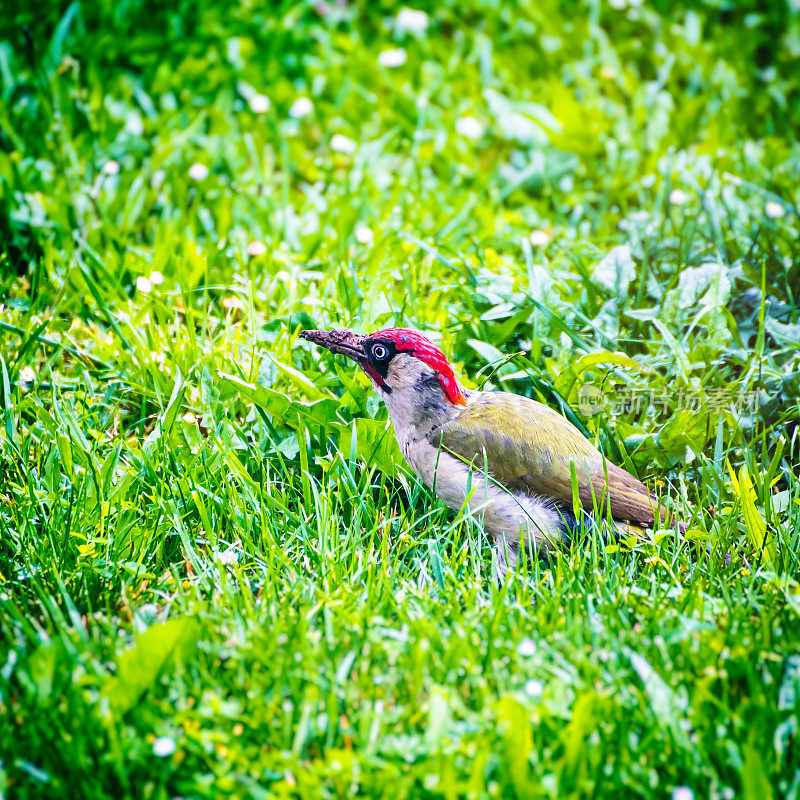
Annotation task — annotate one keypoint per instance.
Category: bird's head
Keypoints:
(397, 361)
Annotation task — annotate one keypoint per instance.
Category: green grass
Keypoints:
(216, 577)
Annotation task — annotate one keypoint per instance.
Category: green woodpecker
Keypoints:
(509, 459)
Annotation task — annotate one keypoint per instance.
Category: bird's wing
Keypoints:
(528, 447)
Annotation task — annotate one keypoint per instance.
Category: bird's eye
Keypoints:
(379, 352)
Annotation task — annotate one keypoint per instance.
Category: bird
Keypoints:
(510, 460)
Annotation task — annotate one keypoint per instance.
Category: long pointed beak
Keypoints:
(342, 342)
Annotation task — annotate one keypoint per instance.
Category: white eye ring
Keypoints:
(379, 352)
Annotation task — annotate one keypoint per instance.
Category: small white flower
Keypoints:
(411, 20)
(343, 144)
(534, 688)
(233, 302)
(229, 556)
(682, 793)
(156, 278)
(774, 210)
(164, 746)
(677, 197)
(526, 648)
(364, 234)
(143, 285)
(134, 125)
(111, 167)
(768, 74)
(395, 57)
(431, 781)
(259, 104)
(539, 238)
(301, 107)
(27, 375)
(256, 249)
(469, 127)
(567, 183)
(198, 171)
(148, 611)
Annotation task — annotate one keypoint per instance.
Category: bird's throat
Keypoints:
(416, 411)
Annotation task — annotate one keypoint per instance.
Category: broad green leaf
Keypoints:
(753, 521)
(154, 652)
(684, 428)
(298, 378)
(677, 350)
(283, 408)
(375, 443)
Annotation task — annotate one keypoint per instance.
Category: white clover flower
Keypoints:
(774, 210)
(148, 610)
(156, 278)
(411, 20)
(233, 302)
(540, 238)
(164, 746)
(255, 249)
(677, 197)
(567, 183)
(526, 648)
(134, 125)
(301, 107)
(343, 144)
(143, 285)
(229, 556)
(27, 375)
(768, 74)
(682, 793)
(198, 171)
(534, 688)
(469, 127)
(364, 234)
(259, 104)
(111, 167)
(395, 57)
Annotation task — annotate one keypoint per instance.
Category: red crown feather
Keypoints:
(425, 350)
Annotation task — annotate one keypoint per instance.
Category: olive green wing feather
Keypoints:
(528, 447)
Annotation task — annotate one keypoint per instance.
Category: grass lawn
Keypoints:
(217, 578)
